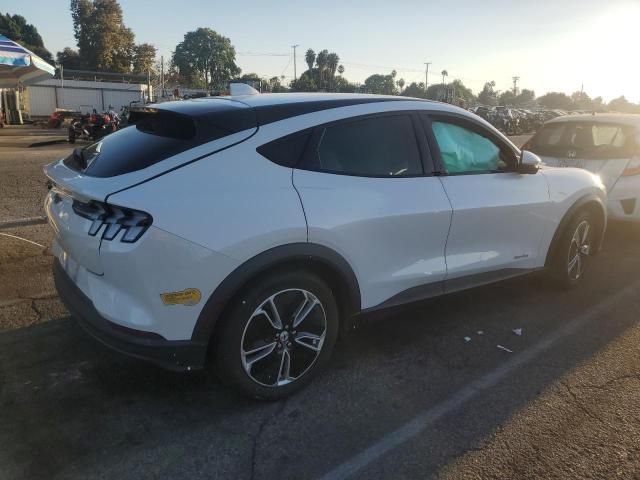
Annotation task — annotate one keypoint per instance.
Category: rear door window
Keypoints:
(380, 146)
(584, 140)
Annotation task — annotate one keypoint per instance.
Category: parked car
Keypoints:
(256, 228)
(607, 145)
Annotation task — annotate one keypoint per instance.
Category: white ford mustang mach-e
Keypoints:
(257, 227)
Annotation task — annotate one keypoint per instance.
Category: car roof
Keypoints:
(272, 107)
(619, 118)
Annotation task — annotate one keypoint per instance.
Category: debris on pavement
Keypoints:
(480, 332)
(467, 339)
(505, 349)
(517, 331)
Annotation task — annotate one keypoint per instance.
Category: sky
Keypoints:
(552, 45)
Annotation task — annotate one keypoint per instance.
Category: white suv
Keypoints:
(605, 144)
(256, 228)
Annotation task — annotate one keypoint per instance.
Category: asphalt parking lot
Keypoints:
(406, 397)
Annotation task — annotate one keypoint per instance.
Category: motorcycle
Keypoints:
(92, 127)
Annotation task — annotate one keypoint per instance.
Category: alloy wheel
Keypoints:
(578, 249)
(283, 337)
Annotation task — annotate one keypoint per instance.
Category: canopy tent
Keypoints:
(18, 67)
(21, 66)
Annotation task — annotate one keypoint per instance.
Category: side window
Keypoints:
(376, 146)
(286, 151)
(464, 151)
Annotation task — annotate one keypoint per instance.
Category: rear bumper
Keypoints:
(177, 355)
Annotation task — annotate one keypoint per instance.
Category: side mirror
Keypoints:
(529, 162)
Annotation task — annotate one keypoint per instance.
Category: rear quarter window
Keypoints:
(286, 151)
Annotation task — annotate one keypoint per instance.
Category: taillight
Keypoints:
(114, 219)
(633, 168)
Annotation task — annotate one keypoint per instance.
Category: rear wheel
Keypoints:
(277, 335)
(572, 251)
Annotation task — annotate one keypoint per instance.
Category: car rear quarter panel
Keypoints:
(235, 203)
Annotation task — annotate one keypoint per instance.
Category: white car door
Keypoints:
(365, 194)
(499, 215)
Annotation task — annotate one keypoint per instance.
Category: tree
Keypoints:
(597, 104)
(144, 56)
(400, 84)
(507, 98)
(69, 58)
(17, 29)
(207, 58)
(555, 100)
(381, 84)
(581, 100)
(621, 104)
(332, 66)
(414, 90)
(526, 98)
(322, 61)
(104, 42)
(304, 83)
(444, 73)
(488, 96)
(310, 58)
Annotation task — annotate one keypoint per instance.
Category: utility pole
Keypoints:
(426, 77)
(515, 85)
(295, 75)
(162, 75)
(149, 86)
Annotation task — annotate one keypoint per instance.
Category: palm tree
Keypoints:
(444, 74)
(400, 84)
(341, 69)
(310, 58)
(322, 61)
(332, 65)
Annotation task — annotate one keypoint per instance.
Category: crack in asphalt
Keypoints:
(38, 313)
(608, 383)
(578, 403)
(256, 437)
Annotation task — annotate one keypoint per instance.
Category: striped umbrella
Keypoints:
(21, 66)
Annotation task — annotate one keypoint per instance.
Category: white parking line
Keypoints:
(23, 239)
(428, 417)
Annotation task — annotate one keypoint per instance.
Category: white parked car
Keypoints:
(605, 144)
(257, 227)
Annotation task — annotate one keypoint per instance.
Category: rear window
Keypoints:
(584, 140)
(158, 134)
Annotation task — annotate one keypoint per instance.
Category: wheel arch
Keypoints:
(591, 203)
(318, 259)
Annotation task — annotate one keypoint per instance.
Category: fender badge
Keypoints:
(188, 297)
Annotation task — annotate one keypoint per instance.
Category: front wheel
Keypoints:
(279, 332)
(572, 251)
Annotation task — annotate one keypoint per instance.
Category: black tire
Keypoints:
(567, 250)
(72, 136)
(243, 328)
